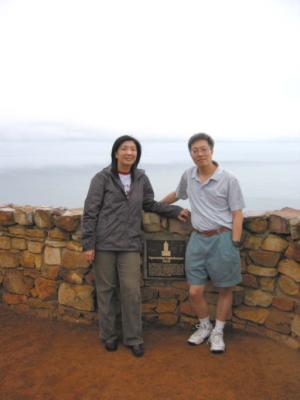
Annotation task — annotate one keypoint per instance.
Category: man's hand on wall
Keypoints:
(184, 215)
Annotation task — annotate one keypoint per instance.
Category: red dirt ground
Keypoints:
(49, 360)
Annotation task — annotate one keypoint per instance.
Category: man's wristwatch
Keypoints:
(237, 243)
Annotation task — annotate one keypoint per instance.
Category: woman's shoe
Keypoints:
(138, 350)
(111, 344)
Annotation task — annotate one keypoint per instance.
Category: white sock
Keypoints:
(219, 326)
(204, 321)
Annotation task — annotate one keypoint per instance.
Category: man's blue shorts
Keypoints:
(213, 257)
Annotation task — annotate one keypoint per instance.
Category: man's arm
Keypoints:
(169, 198)
(237, 225)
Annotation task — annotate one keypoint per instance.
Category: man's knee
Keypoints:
(196, 292)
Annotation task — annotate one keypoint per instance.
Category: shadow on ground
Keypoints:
(49, 360)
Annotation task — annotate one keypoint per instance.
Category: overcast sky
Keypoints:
(153, 68)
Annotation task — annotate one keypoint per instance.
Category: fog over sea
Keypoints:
(58, 172)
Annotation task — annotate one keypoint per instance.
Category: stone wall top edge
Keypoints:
(287, 213)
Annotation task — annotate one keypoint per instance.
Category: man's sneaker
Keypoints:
(202, 333)
(216, 341)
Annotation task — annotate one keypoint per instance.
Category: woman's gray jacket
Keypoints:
(112, 221)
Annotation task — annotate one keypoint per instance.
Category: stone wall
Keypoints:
(43, 272)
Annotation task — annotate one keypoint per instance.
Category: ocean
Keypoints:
(57, 173)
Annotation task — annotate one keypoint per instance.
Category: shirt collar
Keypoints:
(216, 176)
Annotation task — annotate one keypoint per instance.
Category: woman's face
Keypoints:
(126, 155)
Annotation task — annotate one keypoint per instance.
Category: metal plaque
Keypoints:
(164, 259)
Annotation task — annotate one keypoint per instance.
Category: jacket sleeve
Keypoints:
(92, 206)
(150, 205)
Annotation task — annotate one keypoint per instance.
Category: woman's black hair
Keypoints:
(117, 144)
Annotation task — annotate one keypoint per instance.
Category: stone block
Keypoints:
(151, 222)
(9, 259)
(55, 243)
(168, 319)
(72, 245)
(187, 322)
(296, 325)
(7, 216)
(166, 306)
(75, 277)
(76, 296)
(252, 242)
(290, 268)
(258, 298)
(5, 243)
(46, 288)
(267, 284)
(58, 234)
(264, 258)
(274, 243)
(35, 247)
(295, 228)
(69, 220)
(18, 244)
(10, 298)
(76, 236)
(262, 271)
(73, 259)
(52, 256)
(283, 303)
(279, 321)
(16, 282)
(180, 285)
(288, 286)
(293, 251)
(171, 292)
(50, 271)
(17, 230)
(238, 296)
(182, 228)
(43, 218)
(278, 224)
(249, 281)
(30, 260)
(24, 215)
(150, 317)
(257, 225)
(89, 278)
(32, 273)
(38, 303)
(186, 309)
(148, 307)
(254, 314)
(35, 233)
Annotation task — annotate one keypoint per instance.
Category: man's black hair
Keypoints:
(201, 136)
(117, 144)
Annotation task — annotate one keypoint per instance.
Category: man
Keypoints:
(213, 249)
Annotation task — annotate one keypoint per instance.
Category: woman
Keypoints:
(111, 237)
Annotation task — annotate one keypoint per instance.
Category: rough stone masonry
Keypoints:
(43, 271)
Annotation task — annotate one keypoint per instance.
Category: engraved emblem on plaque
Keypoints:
(164, 259)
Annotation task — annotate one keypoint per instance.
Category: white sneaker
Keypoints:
(216, 341)
(202, 333)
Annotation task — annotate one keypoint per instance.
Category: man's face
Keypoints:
(201, 153)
